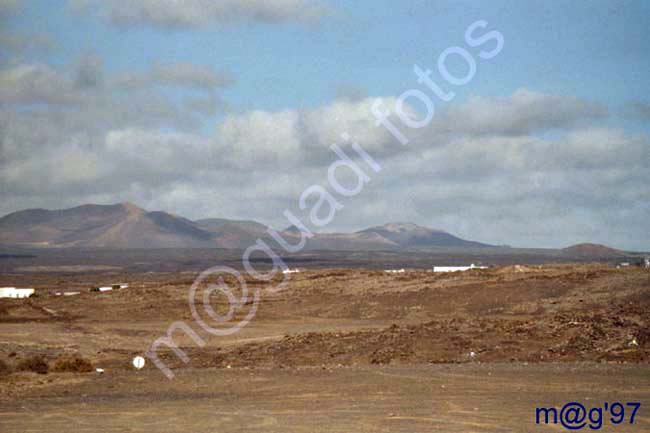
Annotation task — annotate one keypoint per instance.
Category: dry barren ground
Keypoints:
(409, 398)
(336, 350)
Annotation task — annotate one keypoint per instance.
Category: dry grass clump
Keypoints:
(5, 369)
(36, 364)
(72, 364)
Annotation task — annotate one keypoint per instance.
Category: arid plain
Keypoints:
(335, 350)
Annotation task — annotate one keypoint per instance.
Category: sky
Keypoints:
(228, 108)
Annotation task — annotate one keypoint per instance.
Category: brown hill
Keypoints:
(342, 241)
(121, 225)
(126, 225)
(386, 237)
(409, 235)
(233, 233)
(592, 250)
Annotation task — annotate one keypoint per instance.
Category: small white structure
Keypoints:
(12, 292)
(67, 293)
(290, 271)
(646, 262)
(457, 268)
(109, 288)
(395, 271)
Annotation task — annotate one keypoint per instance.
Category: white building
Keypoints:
(12, 292)
(109, 288)
(457, 268)
(395, 271)
(290, 271)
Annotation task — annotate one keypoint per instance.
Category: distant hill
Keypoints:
(386, 237)
(233, 233)
(126, 225)
(116, 226)
(592, 250)
(341, 241)
(409, 235)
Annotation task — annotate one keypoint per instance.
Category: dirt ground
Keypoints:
(336, 350)
(419, 398)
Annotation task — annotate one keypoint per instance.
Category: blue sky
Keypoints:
(592, 49)
(291, 61)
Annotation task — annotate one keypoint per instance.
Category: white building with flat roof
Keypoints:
(13, 292)
(109, 288)
(457, 268)
(290, 271)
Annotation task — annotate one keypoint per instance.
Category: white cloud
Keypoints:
(54, 169)
(80, 99)
(478, 128)
(21, 42)
(33, 84)
(291, 136)
(493, 182)
(143, 153)
(596, 148)
(261, 137)
(522, 112)
(177, 14)
(324, 125)
(179, 74)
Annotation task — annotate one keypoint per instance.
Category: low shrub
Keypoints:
(4, 368)
(36, 364)
(72, 364)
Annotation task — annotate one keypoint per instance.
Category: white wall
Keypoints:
(12, 292)
(456, 268)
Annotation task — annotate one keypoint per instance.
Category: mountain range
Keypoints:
(126, 225)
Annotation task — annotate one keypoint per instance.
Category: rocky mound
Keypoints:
(619, 334)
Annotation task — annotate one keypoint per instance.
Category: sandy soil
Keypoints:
(415, 398)
(336, 350)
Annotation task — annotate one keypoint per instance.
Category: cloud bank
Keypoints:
(528, 168)
(175, 14)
